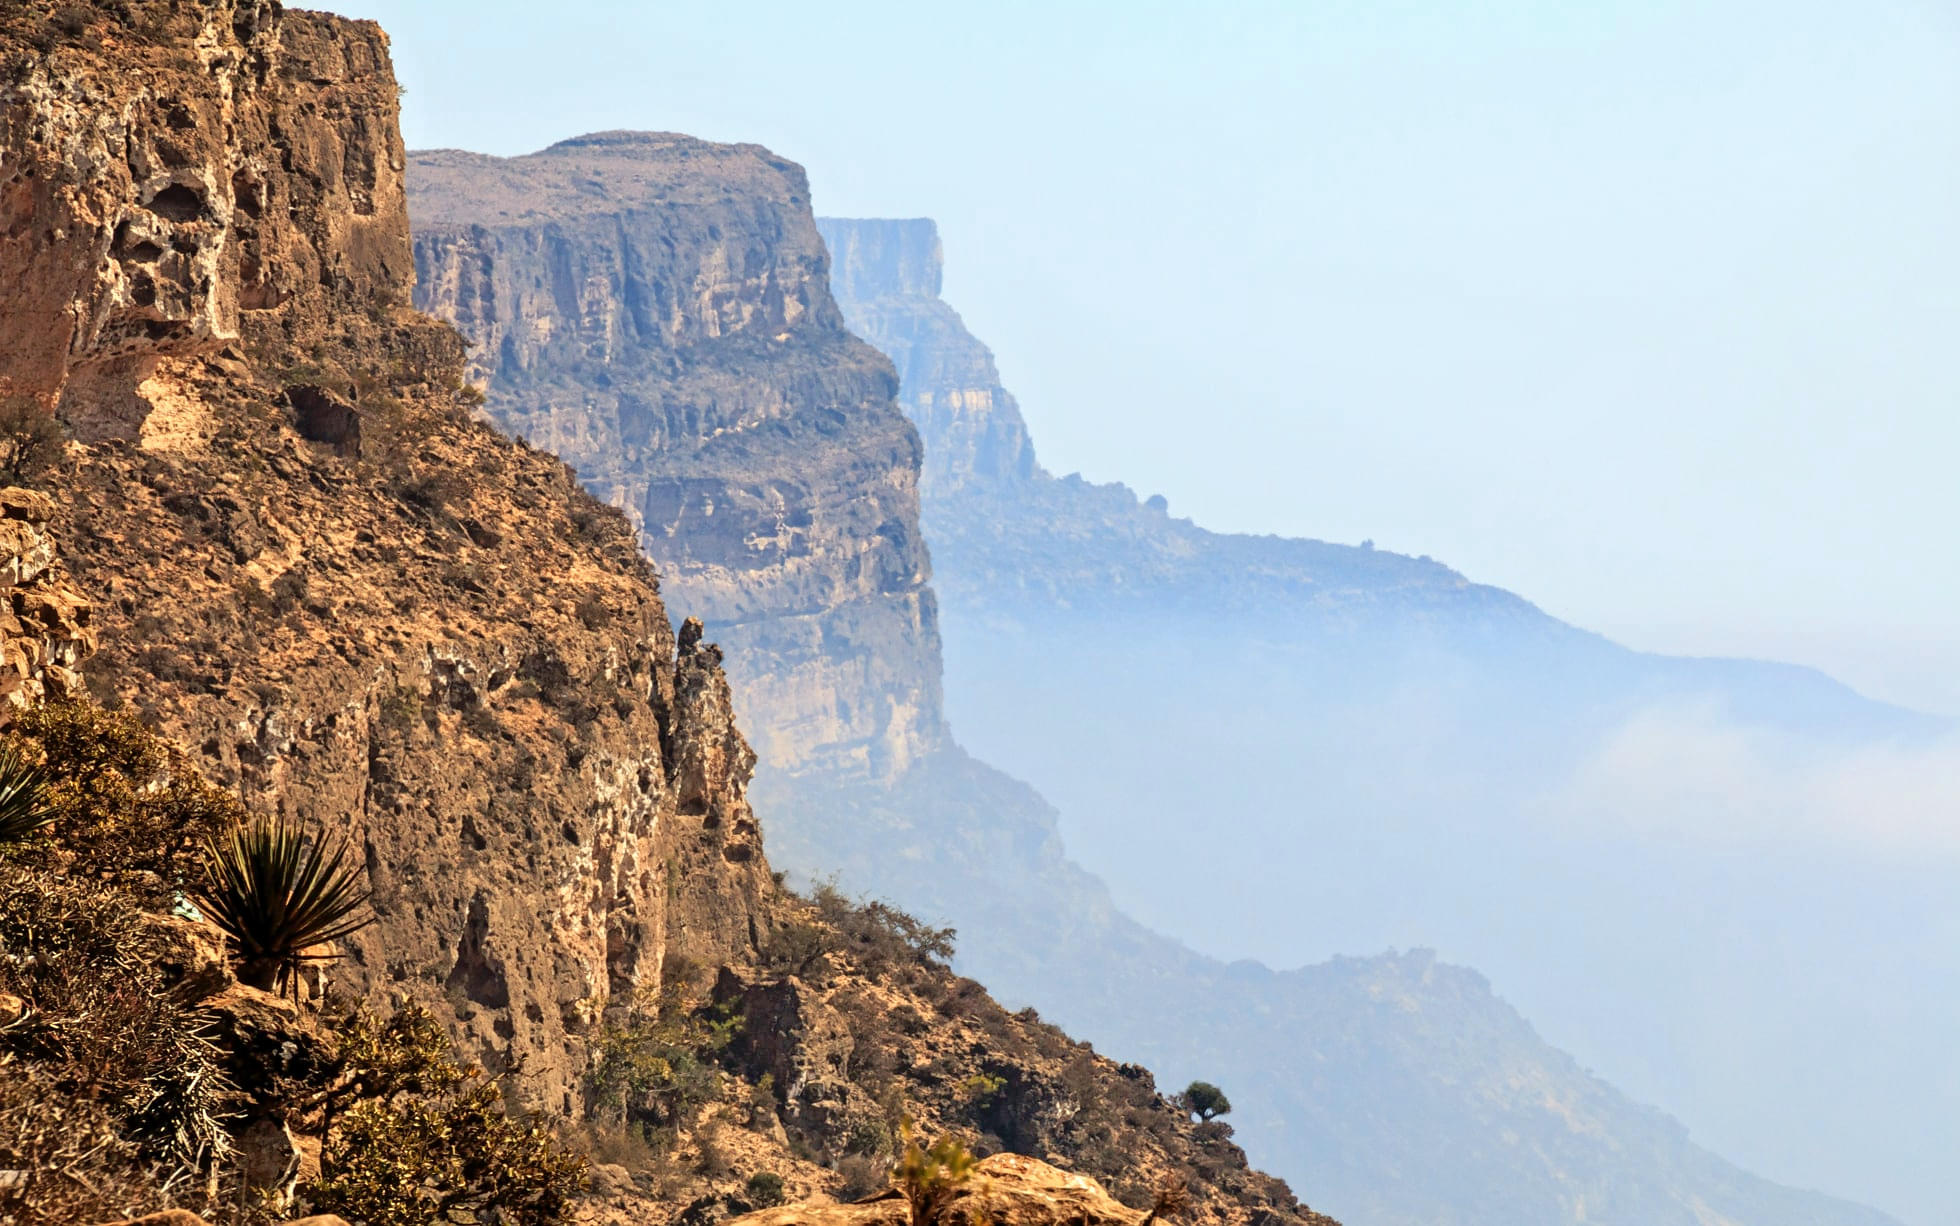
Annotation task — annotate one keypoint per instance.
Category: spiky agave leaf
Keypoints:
(277, 893)
(23, 797)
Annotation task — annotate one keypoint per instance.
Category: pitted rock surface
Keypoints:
(45, 627)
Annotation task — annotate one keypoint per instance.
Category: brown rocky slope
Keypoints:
(404, 625)
(356, 605)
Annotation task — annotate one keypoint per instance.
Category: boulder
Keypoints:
(1005, 1190)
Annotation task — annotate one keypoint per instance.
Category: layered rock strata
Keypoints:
(355, 605)
(654, 308)
(889, 275)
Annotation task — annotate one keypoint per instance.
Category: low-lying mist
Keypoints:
(1724, 886)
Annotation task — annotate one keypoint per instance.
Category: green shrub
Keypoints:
(277, 894)
(416, 1138)
(930, 1176)
(980, 1089)
(765, 1189)
(658, 1066)
(125, 806)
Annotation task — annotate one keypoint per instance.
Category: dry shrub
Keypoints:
(798, 948)
(863, 1176)
(30, 441)
(880, 937)
(102, 1034)
(658, 1066)
(75, 1165)
(129, 808)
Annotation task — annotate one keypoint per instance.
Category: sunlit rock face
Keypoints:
(655, 309)
(306, 565)
(198, 167)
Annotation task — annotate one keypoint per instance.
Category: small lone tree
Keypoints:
(1204, 1100)
(931, 1177)
(30, 441)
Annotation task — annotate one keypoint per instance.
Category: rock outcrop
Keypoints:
(1007, 1190)
(45, 631)
(312, 568)
(653, 308)
(172, 170)
(889, 272)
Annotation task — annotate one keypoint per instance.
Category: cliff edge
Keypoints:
(654, 308)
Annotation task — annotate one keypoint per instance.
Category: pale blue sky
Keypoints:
(1647, 311)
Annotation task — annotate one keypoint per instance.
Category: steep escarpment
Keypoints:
(348, 602)
(890, 274)
(308, 565)
(653, 308)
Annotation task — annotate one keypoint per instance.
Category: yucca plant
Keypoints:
(277, 894)
(24, 806)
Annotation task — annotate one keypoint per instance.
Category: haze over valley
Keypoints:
(874, 615)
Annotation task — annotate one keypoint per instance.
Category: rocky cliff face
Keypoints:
(890, 272)
(174, 172)
(310, 566)
(354, 604)
(46, 628)
(654, 309)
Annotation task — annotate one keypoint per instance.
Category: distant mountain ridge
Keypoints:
(669, 332)
(1007, 535)
(1246, 733)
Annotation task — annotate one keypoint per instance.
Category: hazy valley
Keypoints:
(598, 244)
(559, 688)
